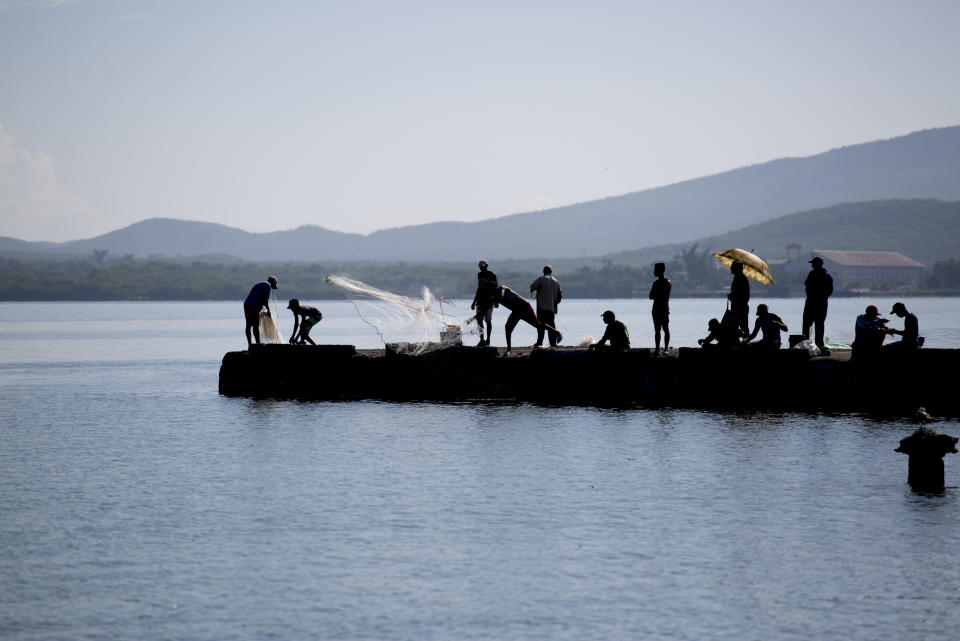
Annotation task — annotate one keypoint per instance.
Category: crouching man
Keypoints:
(304, 318)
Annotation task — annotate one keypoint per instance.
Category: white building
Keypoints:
(862, 270)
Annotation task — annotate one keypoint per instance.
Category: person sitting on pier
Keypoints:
(727, 335)
(910, 331)
(869, 332)
(256, 300)
(485, 300)
(520, 310)
(310, 315)
(771, 325)
(616, 333)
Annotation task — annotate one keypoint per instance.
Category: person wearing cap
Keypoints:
(739, 298)
(548, 297)
(869, 332)
(818, 287)
(485, 300)
(520, 310)
(727, 335)
(256, 300)
(660, 295)
(310, 315)
(616, 333)
(910, 331)
(771, 325)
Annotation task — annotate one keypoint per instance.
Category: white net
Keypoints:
(419, 325)
(268, 328)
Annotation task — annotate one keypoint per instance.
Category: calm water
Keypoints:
(135, 502)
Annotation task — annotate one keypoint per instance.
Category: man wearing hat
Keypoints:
(910, 331)
(310, 315)
(819, 286)
(616, 333)
(485, 300)
(869, 332)
(256, 300)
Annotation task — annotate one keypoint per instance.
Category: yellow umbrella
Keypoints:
(753, 265)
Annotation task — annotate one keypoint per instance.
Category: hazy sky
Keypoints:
(358, 115)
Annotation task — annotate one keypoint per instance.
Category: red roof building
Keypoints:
(862, 269)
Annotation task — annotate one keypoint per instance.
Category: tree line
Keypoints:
(101, 277)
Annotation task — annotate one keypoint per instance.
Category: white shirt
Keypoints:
(548, 292)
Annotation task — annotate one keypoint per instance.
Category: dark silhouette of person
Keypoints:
(910, 331)
(310, 315)
(739, 298)
(548, 297)
(771, 325)
(869, 332)
(818, 287)
(660, 295)
(485, 300)
(520, 310)
(256, 300)
(726, 335)
(616, 333)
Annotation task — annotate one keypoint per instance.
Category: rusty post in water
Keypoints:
(926, 448)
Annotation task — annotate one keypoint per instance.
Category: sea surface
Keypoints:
(137, 503)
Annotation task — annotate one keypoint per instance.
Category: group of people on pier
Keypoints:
(731, 331)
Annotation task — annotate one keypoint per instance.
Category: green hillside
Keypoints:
(924, 230)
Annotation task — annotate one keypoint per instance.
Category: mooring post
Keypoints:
(926, 448)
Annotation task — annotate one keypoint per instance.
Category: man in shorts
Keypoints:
(485, 300)
(256, 300)
(520, 310)
(304, 318)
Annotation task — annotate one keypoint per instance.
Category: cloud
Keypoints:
(33, 203)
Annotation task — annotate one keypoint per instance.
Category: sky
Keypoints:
(361, 115)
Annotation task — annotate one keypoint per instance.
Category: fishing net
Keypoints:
(412, 325)
(268, 328)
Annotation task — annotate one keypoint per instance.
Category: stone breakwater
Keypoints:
(893, 383)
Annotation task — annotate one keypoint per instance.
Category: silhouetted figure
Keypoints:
(926, 449)
(548, 297)
(310, 316)
(485, 300)
(910, 331)
(616, 334)
(869, 332)
(660, 295)
(726, 335)
(739, 298)
(520, 310)
(256, 300)
(819, 287)
(771, 325)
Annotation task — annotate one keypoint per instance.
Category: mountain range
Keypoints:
(924, 164)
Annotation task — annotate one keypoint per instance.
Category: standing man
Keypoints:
(256, 300)
(660, 295)
(819, 287)
(310, 315)
(548, 297)
(739, 298)
(485, 300)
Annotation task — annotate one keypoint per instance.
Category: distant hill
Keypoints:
(923, 229)
(925, 164)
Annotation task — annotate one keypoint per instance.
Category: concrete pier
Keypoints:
(893, 383)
